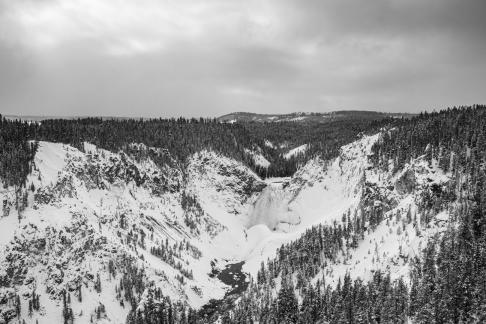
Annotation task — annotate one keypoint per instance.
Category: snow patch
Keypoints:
(258, 158)
(296, 151)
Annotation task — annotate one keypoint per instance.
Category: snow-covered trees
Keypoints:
(287, 305)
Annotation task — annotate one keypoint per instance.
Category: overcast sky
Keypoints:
(210, 57)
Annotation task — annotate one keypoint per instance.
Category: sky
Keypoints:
(168, 58)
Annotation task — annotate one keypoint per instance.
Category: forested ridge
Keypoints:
(180, 137)
(324, 140)
(16, 152)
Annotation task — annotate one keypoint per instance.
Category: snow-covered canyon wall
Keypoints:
(87, 212)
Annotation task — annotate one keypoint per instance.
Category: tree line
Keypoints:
(181, 138)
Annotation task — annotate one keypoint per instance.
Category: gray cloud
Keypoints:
(196, 58)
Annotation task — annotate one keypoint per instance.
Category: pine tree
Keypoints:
(287, 303)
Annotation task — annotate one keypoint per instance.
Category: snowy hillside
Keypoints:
(88, 212)
(333, 193)
(92, 216)
(296, 151)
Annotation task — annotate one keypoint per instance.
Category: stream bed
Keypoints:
(233, 276)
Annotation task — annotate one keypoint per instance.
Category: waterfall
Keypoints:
(272, 209)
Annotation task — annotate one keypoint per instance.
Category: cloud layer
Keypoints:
(205, 58)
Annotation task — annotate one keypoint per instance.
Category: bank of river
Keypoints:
(232, 276)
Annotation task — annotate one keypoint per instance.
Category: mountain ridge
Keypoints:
(243, 116)
(310, 116)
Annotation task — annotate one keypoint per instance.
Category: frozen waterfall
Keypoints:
(272, 208)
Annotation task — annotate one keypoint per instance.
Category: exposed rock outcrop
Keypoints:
(406, 182)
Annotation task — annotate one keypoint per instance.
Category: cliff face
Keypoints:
(406, 182)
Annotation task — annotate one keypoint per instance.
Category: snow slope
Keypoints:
(296, 151)
(320, 192)
(325, 192)
(96, 206)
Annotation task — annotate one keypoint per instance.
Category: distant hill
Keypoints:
(33, 118)
(247, 116)
(310, 117)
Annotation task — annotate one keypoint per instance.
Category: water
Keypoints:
(233, 276)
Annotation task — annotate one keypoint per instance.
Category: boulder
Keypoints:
(406, 182)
